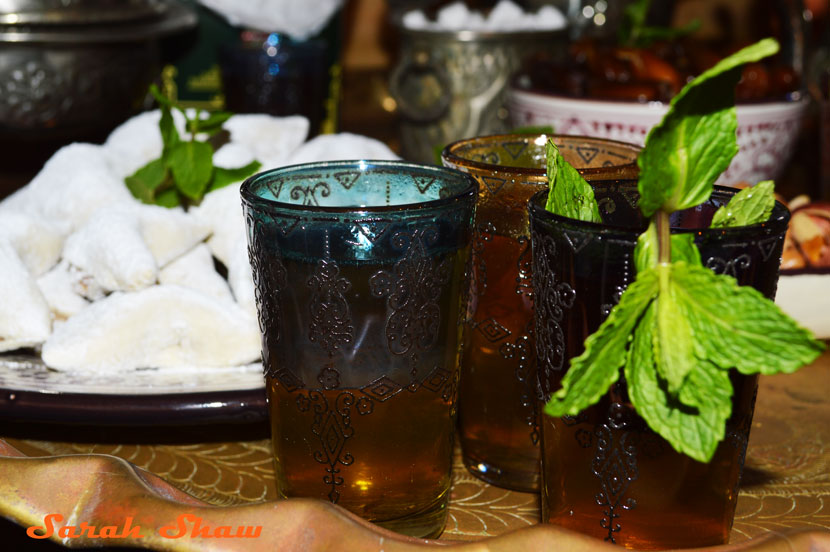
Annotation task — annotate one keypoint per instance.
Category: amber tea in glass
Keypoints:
(498, 425)
(604, 472)
(360, 273)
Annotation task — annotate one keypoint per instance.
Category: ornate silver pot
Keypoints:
(450, 85)
(72, 67)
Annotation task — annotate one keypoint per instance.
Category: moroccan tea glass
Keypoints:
(497, 413)
(360, 273)
(604, 472)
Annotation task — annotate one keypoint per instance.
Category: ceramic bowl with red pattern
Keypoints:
(767, 132)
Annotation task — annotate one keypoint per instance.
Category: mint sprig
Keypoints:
(185, 171)
(679, 328)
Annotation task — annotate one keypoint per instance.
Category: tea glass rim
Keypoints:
(777, 222)
(250, 197)
(448, 153)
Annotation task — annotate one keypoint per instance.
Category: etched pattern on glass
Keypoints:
(550, 301)
(483, 234)
(615, 464)
(730, 267)
(269, 278)
(333, 427)
(330, 318)
(308, 194)
(412, 290)
(524, 279)
(520, 351)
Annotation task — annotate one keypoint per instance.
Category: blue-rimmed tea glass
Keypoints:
(360, 272)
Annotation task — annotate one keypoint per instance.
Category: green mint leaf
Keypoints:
(645, 252)
(592, 373)
(673, 337)
(749, 206)
(139, 189)
(569, 194)
(169, 134)
(192, 167)
(695, 428)
(225, 177)
(708, 387)
(736, 326)
(211, 124)
(695, 142)
(683, 248)
(168, 198)
(143, 183)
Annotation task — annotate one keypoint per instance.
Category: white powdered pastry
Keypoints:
(269, 139)
(74, 183)
(299, 19)
(221, 210)
(506, 16)
(342, 146)
(17, 202)
(61, 288)
(195, 270)
(162, 326)
(134, 143)
(111, 248)
(37, 242)
(240, 277)
(228, 241)
(84, 283)
(233, 156)
(169, 233)
(24, 315)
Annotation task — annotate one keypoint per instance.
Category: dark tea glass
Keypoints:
(497, 399)
(604, 472)
(360, 278)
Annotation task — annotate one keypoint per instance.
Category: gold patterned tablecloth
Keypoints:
(786, 482)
